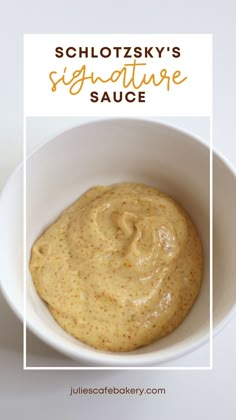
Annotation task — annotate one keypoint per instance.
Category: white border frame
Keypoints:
(148, 368)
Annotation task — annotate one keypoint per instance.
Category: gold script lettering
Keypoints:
(130, 75)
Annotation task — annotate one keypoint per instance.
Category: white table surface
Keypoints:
(45, 394)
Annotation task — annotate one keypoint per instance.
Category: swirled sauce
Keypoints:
(120, 268)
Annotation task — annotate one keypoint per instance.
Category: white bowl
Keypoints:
(106, 152)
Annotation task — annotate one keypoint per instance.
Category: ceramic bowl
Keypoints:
(106, 152)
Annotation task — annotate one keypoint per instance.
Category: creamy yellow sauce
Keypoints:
(120, 268)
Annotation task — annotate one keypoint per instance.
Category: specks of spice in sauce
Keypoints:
(120, 268)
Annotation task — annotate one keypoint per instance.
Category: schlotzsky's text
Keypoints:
(132, 75)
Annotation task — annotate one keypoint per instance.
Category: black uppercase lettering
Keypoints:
(160, 51)
(94, 96)
(105, 97)
(59, 52)
(137, 52)
(127, 97)
(68, 52)
(148, 52)
(93, 55)
(127, 52)
(141, 97)
(117, 50)
(117, 96)
(105, 52)
(176, 52)
(83, 51)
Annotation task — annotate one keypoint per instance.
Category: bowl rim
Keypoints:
(108, 359)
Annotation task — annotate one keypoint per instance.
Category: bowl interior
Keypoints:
(107, 152)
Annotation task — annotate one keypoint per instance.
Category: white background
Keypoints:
(192, 97)
(43, 395)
